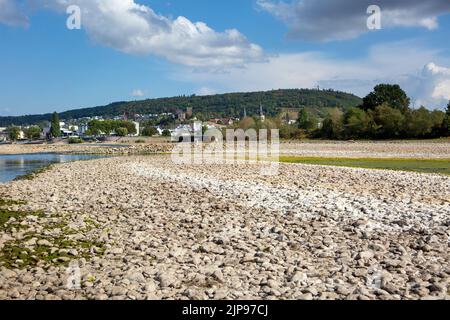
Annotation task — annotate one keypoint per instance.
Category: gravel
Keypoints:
(210, 232)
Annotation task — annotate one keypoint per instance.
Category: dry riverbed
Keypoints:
(86, 148)
(432, 149)
(437, 149)
(141, 227)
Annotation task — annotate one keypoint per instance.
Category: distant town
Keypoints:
(103, 128)
(385, 113)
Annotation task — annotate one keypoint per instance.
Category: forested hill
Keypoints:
(221, 105)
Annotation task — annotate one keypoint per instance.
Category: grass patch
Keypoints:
(8, 202)
(439, 166)
(34, 173)
(57, 251)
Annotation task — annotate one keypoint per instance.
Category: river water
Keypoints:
(12, 166)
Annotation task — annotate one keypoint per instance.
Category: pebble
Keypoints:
(201, 232)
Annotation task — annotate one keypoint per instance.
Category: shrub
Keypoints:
(149, 132)
(13, 133)
(122, 132)
(33, 132)
(75, 140)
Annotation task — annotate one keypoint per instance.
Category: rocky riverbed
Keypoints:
(140, 227)
(438, 149)
(87, 148)
(332, 149)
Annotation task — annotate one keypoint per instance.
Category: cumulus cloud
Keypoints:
(387, 63)
(431, 85)
(136, 29)
(346, 19)
(11, 14)
(137, 93)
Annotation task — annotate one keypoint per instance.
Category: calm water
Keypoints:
(12, 166)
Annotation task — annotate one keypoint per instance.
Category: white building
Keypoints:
(160, 130)
(21, 135)
(3, 134)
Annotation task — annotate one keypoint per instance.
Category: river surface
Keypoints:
(12, 166)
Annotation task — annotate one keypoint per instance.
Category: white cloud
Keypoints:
(136, 29)
(11, 14)
(346, 19)
(431, 86)
(137, 93)
(390, 63)
(205, 91)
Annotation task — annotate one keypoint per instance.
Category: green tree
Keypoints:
(437, 121)
(149, 132)
(390, 122)
(306, 120)
(303, 119)
(33, 132)
(419, 123)
(446, 122)
(55, 129)
(333, 124)
(247, 123)
(166, 133)
(122, 132)
(13, 133)
(108, 126)
(358, 123)
(393, 95)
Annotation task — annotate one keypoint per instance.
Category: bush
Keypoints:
(108, 126)
(33, 132)
(122, 132)
(140, 141)
(13, 133)
(149, 132)
(75, 140)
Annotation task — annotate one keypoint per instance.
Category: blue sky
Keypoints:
(136, 49)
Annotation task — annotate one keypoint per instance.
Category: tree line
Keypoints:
(95, 128)
(229, 105)
(384, 114)
(120, 127)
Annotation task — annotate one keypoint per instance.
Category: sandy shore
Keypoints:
(141, 227)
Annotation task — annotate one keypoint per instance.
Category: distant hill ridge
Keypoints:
(220, 105)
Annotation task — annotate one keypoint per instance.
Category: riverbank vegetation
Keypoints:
(120, 127)
(440, 166)
(383, 114)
